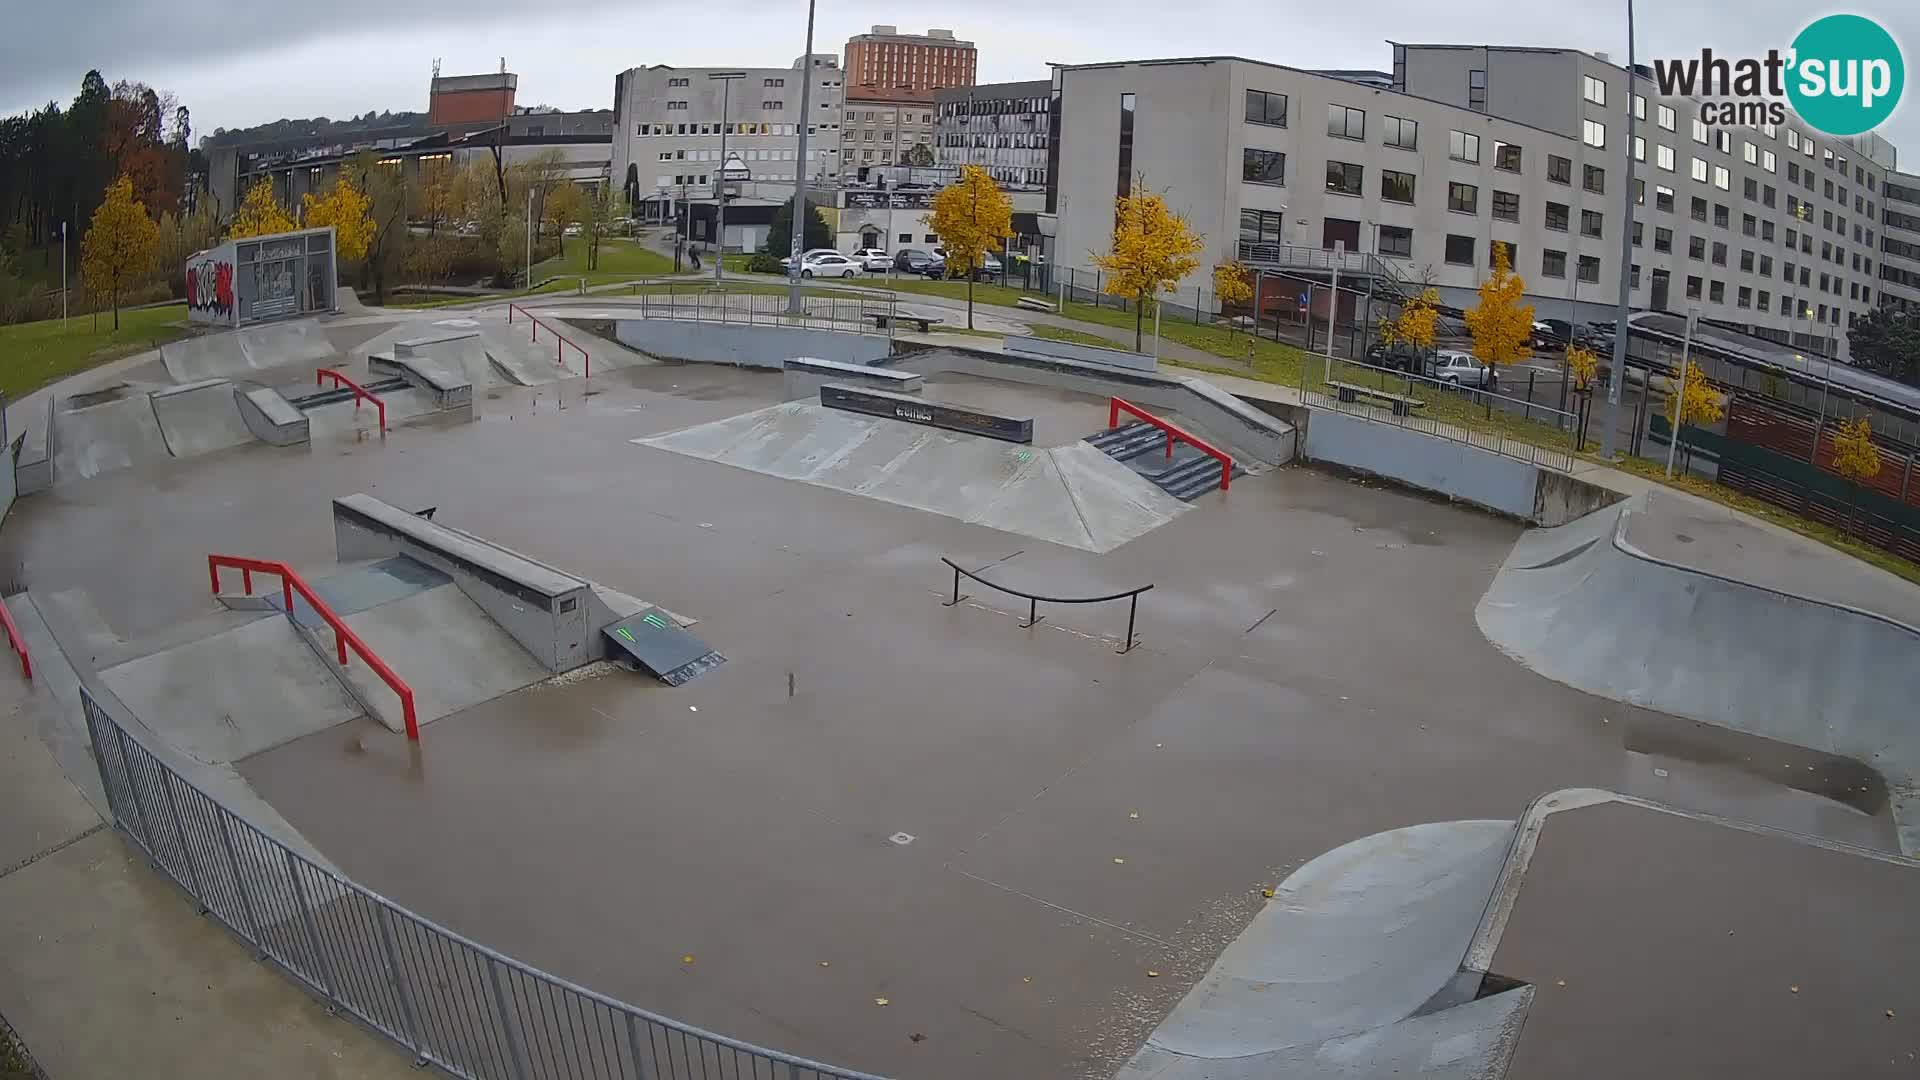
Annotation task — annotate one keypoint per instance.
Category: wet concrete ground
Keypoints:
(1309, 673)
(1667, 947)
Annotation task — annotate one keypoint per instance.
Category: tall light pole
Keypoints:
(63, 277)
(529, 239)
(794, 245)
(726, 80)
(1626, 264)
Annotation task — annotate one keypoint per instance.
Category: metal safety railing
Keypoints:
(18, 641)
(1514, 427)
(343, 635)
(561, 343)
(1116, 406)
(360, 393)
(822, 307)
(1131, 596)
(451, 1001)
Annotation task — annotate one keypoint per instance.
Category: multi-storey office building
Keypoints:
(884, 131)
(1772, 229)
(920, 63)
(668, 126)
(1900, 241)
(1002, 127)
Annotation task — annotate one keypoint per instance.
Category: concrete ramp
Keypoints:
(234, 692)
(1588, 605)
(201, 417)
(451, 653)
(1327, 979)
(112, 434)
(248, 351)
(1071, 495)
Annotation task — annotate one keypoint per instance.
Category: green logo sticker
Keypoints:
(1846, 74)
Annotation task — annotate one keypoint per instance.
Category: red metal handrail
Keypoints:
(1115, 406)
(343, 635)
(18, 641)
(562, 342)
(359, 392)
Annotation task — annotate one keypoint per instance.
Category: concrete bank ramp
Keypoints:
(1071, 495)
(104, 435)
(247, 351)
(1590, 605)
(449, 652)
(1327, 979)
(200, 417)
(234, 692)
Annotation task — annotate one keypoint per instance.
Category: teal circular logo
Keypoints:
(1846, 74)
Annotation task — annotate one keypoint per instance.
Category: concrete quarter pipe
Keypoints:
(1590, 605)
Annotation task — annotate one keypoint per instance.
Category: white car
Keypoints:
(873, 260)
(807, 257)
(1457, 368)
(832, 264)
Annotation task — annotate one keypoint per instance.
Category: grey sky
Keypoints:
(236, 64)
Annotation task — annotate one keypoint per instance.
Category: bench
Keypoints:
(924, 322)
(1402, 405)
(1034, 303)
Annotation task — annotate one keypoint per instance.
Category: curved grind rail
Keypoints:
(360, 393)
(18, 641)
(343, 636)
(561, 341)
(1131, 596)
(1116, 406)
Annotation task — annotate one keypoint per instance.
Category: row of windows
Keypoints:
(747, 127)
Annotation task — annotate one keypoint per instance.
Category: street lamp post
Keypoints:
(799, 234)
(726, 80)
(1626, 263)
(1680, 391)
(529, 240)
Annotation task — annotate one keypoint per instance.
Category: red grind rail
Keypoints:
(18, 642)
(360, 393)
(343, 636)
(1116, 406)
(561, 342)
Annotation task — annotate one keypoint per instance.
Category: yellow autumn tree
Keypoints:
(1232, 285)
(119, 247)
(1855, 457)
(260, 213)
(1153, 249)
(972, 216)
(1582, 365)
(1697, 402)
(1418, 323)
(1500, 324)
(346, 208)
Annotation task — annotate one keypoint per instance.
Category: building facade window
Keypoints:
(1663, 155)
(1266, 108)
(1663, 240)
(1590, 222)
(1594, 134)
(1506, 206)
(1553, 264)
(1559, 169)
(1594, 90)
(1401, 133)
(1459, 249)
(1344, 178)
(1589, 269)
(1664, 116)
(1396, 186)
(1463, 198)
(1557, 216)
(1697, 168)
(1346, 123)
(1261, 226)
(1700, 131)
(1663, 198)
(1125, 185)
(1721, 179)
(1463, 147)
(1397, 241)
(1263, 167)
(1594, 179)
(1507, 156)
(1477, 90)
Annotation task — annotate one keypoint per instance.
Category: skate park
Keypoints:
(1346, 801)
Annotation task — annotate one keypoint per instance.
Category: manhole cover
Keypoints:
(903, 839)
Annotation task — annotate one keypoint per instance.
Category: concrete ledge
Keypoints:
(914, 410)
(805, 375)
(450, 388)
(1456, 470)
(33, 456)
(746, 345)
(544, 609)
(1091, 354)
(271, 417)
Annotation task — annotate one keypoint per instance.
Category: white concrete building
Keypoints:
(668, 127)
(1002, 127)
(1900, 241)
(882, 132)
(1770, 229)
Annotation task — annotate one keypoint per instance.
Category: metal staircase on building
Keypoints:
(1387, 282)
(1187, 475)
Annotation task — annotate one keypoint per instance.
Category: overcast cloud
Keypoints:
(238, 64)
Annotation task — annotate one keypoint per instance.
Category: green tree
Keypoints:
(119, 247)
(780, 231)
(596, 221)
(1887, 340)
(919, 155)
(972, 217)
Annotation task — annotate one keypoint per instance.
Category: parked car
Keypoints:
(1399, 356)
(1456, 368)
(1544, 336)
(832, 264)
(872, 260)
(911, 261)
(988, 270)
(807, 257)
(1559, 332)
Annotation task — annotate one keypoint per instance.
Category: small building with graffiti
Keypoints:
(258, 278)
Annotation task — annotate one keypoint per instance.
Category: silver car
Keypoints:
(1457, 368)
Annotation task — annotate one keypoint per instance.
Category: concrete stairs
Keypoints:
(1187, 475)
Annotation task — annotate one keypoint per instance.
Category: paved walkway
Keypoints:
(106, 970)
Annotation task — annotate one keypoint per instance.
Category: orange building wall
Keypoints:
(890, 64)
(469, 106)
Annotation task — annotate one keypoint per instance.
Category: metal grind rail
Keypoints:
(1116, 406)
(18, 641)
(360, 393)
(1131, 596)
(561, 341)
(343, 636)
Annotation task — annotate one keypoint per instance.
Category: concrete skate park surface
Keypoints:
(1071, 818)
(1649, 602)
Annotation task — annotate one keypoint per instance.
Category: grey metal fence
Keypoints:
(848, 311)
(1538, 434)
(453, 1002)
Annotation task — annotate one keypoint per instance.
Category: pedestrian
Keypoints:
(693, 254)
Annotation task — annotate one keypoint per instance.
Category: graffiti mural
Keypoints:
(210, 289)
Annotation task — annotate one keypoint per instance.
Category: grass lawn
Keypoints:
(756, 286)
(37, 353)
(1077, 337)
(619, 258)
